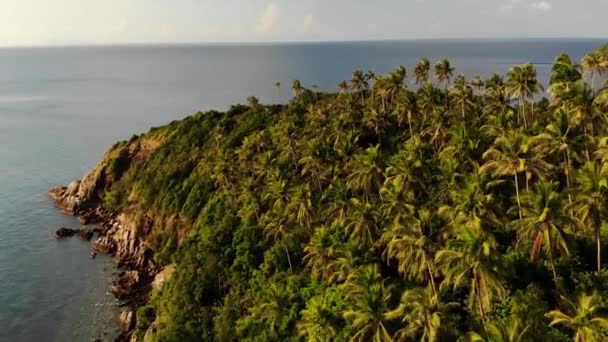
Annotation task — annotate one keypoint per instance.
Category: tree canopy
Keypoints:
(458, 209)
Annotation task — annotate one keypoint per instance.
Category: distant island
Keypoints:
(413, 206)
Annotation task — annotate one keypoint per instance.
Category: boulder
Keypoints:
(85, 234)
(126, 320)
(64, 232)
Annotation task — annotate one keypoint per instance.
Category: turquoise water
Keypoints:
(61, 108)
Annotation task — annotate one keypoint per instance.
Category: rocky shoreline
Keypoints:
(114, 234)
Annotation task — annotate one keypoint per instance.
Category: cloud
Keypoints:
(269, 19)
(509, 6)
(307, 24)
(541, 5)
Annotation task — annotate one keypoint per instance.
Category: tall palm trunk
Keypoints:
(523, 111)
(288, 258)
(550, 246)
(431, 277)
(567, 171)
(517, 194)
(599, 250)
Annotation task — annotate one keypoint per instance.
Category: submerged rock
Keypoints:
(64, 232)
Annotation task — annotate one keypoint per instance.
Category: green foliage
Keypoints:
(463, 210)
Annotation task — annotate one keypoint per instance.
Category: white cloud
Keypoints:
(307, 24)
(541, 5)
(509, 6)
(269, 19)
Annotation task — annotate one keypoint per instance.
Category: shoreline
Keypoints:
(135, 269)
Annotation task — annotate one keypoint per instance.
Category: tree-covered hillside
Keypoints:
(452, 209)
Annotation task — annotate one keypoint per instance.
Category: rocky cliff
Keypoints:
(117, 234)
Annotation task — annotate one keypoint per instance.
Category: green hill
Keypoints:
(377, 213)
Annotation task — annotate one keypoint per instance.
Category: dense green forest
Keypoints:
(413, 206)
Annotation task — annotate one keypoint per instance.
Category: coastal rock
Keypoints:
(126, 284)
(64, 232)
(126, 320)
(86, 234)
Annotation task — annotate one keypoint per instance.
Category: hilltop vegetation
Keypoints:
(459, 209)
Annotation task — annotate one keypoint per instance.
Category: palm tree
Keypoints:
(405, 108)
(343, 88)
(297, 88)
(581, 316)
(421, 72)
(312, 161)
(421, 312)
(543, 222)
(273, 308)
(461, 95)
(522, 85)
(499, 331)
(478, 84)
(560, 139)
(359, 84)
(563, 75)
(412, 242)
(277, 84)
(443, 72)
(513, 155)
(363, 223)
(316, 322)
(280, 230)
(366, 171)
(471, 261)
(319, 251)
(368, 298)
(595, 64)
(590, 201)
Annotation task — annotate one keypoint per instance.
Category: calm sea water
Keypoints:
(61, 108)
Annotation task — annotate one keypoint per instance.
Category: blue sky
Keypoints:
(44, 22)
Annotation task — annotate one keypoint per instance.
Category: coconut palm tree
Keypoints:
(343, 88)
(478, 84)
(564, 74)
(512, 155)
(277, 85)
(582, 317)
(522, 85)
(363, 222)
(412, 243)
(297, 88)
(590, 200)
(421, 72)
(317, 322)
(561, 140)
(366, 171)
(280, 230)
(367, 298)
(320, 251)
(421, 312)
(443, 72)
(543, 222)
(359, 84)
(461, 95)
(405, 109)
(595, 64)
(470, 261)
(499, 331)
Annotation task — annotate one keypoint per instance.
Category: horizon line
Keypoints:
(288, 42)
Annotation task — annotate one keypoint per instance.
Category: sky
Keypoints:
(59, 22)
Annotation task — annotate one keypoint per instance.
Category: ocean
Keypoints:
(61, 108)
